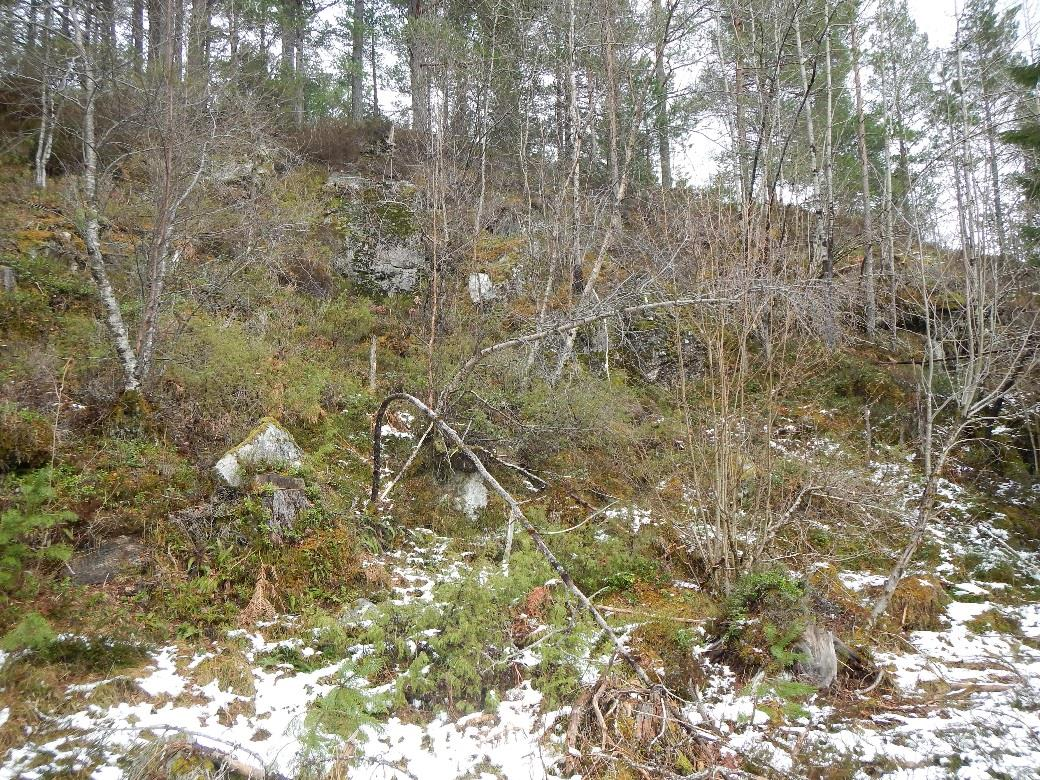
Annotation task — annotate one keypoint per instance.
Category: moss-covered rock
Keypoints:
(380, 228)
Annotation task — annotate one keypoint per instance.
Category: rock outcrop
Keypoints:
(381, 243)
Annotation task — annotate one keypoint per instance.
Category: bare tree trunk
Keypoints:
(45, 136)
(168, 37)
(155, 32)
(419, 78)
(357, 59)
(664, 149)
(375, 77)
(828, 158)
(137, 34)
(890, 222)
(287, 29)
(300, 93)
(30, 25)
(994, 172)
(233, 32)
(819, 248)
(869, 295)
(611, 95)
(373, 346)
(198, 40)
(91, 221)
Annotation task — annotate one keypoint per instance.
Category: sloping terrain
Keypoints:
(293, 696)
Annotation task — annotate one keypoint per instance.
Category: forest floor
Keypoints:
(445, 667)
(962, 700)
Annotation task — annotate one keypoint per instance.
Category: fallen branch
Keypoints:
(404, 469)
(225, 757)
(516, 514)
(566, 327)
(475, 360)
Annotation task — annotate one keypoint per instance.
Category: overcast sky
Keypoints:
(695, 155)
(938, 18)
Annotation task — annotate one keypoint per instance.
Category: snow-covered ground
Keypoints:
(271, 732)
(954, 703)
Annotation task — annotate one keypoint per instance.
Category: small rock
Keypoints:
(347, 183)
(481, 288)
(8, 280)
(269, 446)
(233, 172)
(113, 558)
(471, 494)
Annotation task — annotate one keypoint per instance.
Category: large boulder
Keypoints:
(268, 447)
(382, 249)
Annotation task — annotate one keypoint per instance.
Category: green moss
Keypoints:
(131, 415)
(396, 220)
(993, 620)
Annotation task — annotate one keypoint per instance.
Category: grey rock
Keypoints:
(280, 481)
(648, 348)
(381, 248)
(269, 447)
(396, 268)
(233, 172)
(113, 558)
(470, 494)
(347, 183)
(285, 506)
(8, 280)
(481, 288)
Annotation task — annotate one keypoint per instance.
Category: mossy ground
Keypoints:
(265, 342)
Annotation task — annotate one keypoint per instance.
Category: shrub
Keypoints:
(19, 522)
(455, 651)
(918, 603)
(347, 321)
(33, 632)
(25, 439)
(764, 617)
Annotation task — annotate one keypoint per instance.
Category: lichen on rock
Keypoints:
(269, 446)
